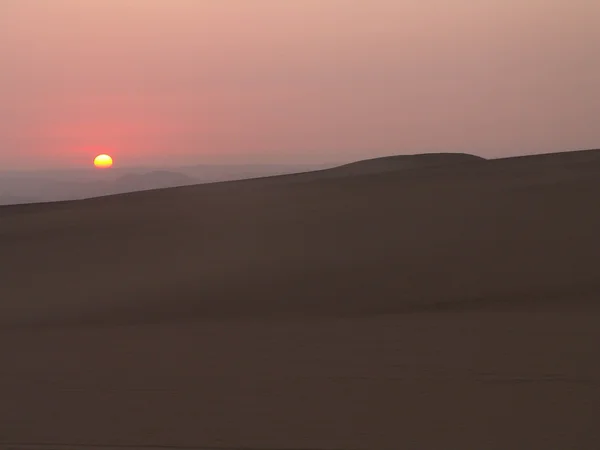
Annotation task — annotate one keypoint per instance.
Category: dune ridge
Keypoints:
(363, 243)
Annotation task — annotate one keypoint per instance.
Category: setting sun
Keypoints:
(103, 162)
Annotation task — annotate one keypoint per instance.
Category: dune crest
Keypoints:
(515, 231)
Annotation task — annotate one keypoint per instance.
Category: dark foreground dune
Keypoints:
(415, 303)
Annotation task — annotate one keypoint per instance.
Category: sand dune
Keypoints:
(397, 303)
(502, 233)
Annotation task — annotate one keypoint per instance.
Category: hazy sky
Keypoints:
(180, 81)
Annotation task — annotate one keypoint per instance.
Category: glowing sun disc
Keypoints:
(103, 161)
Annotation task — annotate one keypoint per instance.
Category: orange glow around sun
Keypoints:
(103, 162)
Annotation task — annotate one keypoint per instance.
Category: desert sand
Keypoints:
(439, 301)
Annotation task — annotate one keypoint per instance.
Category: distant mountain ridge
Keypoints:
(58, 185)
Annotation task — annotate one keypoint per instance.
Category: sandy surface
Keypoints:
(451, 307)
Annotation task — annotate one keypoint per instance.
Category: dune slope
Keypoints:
(490, 235)
(449, 306)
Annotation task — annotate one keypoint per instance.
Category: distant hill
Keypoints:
(58, 185)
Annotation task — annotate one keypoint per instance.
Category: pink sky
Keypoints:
(284, 81)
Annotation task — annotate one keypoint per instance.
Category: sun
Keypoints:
(103, 161)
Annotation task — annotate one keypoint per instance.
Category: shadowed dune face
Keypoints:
(418, 306)
(518, 233)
